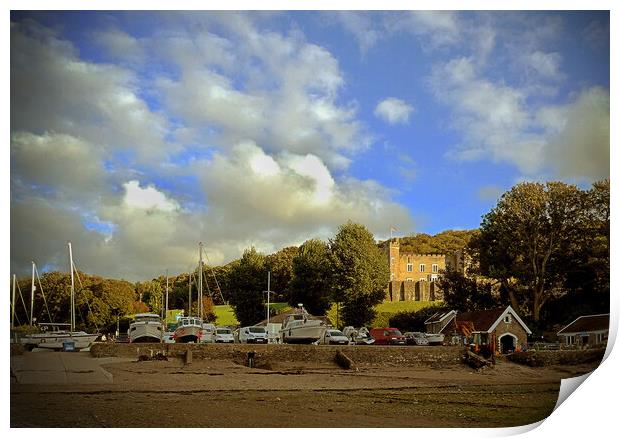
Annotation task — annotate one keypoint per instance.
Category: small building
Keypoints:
(509, 329)
(586, 331)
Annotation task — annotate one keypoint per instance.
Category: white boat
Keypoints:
(301, 328)
(434, 338)
(147, 327)
(56, 336)
(188, 330)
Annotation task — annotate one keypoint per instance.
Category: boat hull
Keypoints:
(310, 332)
(187, 334)
(56, 341)
(146, 332)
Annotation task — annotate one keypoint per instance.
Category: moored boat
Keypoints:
(189, 329)
(56, 336)
(147, 327)
(301, 328)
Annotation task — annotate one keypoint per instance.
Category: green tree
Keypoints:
(247, 282)
(151, 293)
(523, 237)
(359, 273)
(281, 266)
(466, 294)
(311, 277)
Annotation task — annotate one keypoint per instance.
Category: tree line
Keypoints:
(544, 249)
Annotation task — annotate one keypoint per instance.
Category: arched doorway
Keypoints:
(508, 343)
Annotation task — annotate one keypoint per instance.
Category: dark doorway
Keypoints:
(508, 344)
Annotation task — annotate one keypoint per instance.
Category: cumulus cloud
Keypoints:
(148, 198)
(580, 147)
(393, 111)
(236, 148)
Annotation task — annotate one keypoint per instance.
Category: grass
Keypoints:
(386, 310)
(226, 316)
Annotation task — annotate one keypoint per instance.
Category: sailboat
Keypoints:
(58, 336)
(189, 328)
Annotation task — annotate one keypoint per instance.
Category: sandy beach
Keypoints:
(224, 393)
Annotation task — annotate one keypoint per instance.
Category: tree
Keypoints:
(247, 282)
(523, 237)
(413, 321)
(281, 266)
(152, 294)
(466, 294)
(311, 283)
(359, 273)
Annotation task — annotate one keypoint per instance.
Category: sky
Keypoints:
(135, 135)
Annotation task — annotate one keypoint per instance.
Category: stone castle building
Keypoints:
(413, 277)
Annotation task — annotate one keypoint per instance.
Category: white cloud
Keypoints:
(361, 26)
(148, 198)
(393, 110)
(580, 146)
(547, 65)
(229, 93)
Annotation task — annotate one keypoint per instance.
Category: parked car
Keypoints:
(224, 335)
(208, 333)
(252, 335)
(388, 336)
(334, 337)
(416, 338)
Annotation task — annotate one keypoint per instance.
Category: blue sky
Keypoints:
(137, 134)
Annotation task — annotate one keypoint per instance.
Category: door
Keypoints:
(507, 344)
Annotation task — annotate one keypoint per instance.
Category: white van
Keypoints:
(208, 333)
(253, 335)
(224, 335)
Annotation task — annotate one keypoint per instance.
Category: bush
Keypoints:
(413, 321)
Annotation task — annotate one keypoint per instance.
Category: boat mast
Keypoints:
(166, 311)
(72, 289)
(32, 289)
(200, 281)
(268, 293)
(13, 304)
(189, 306)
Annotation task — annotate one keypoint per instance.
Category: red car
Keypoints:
(388, 336)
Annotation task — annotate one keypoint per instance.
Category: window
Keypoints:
(434, 277)
(422, 279)
(422, 267)
(435, 267)
(409, 267)
(570, 340)
(391, 261)
(409, 279)
(408, 259)
(508, 318)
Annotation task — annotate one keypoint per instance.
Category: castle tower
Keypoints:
(394, 259)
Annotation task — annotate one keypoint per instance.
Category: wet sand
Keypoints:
(212, 393)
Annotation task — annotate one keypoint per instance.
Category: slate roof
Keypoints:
(479, 321)
(587, 323)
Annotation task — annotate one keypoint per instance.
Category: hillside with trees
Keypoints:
(446, 242)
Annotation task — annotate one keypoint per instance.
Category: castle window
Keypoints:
(409, 267)
(391, 260)
(408, 259)
(435, 267)
(422, 267)
(422, 279)
(434, 277)
(409, 279)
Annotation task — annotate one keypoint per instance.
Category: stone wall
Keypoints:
(368, 355)
(566, 357)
